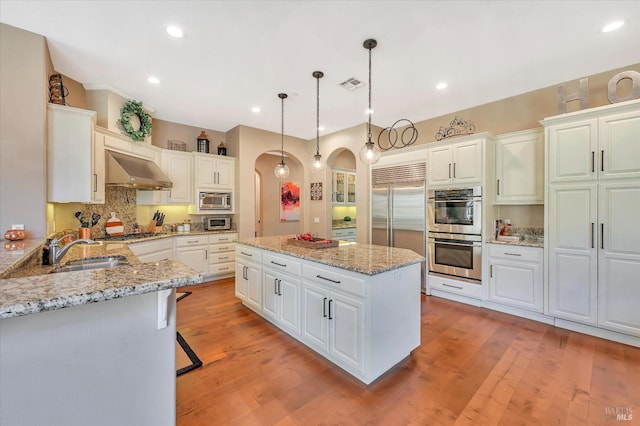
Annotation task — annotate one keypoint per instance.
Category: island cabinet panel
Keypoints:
(364, 324)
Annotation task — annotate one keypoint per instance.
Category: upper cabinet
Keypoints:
(75, 159)
(213, 171)
(178, 166)
(344, 188)
(519, 167)
(603, 144)
(455, 162)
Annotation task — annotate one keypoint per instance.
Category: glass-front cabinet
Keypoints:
(344, 187)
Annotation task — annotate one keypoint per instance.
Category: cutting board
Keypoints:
(114, 226)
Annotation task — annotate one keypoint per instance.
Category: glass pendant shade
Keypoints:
(370, 153)
(317, 165)
(281, 171)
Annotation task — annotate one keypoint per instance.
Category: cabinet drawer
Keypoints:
(464, 288)
(222, 238)
(222, 268)
(194, 240)
(519, 253)
(249, 254)
(146, 247)
(349, 232)
(334, 280)
(221, 248)
(284, 264)
(221, 257)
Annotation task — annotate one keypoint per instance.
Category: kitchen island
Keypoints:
(67, 360)
(358, 305)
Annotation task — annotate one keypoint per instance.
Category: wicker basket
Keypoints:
(176, 145)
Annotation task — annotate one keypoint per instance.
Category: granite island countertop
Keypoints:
(527, 242)
(27, 287)
(356, 257)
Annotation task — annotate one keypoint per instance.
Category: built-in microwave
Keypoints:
(215, 201)
(218, 223)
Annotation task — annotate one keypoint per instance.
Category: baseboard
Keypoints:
(456, 297)
(598, 332)
(536, 316)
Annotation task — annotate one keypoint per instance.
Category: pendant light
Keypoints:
(370, 153)
(282, 170)
(317, 164)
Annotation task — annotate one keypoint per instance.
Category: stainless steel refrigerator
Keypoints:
(398, 214)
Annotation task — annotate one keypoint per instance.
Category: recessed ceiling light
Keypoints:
(369, 111)
(612, 26)
(175, 31)
(255, 109)
(321, 128)
(441, 86)
(153, 80)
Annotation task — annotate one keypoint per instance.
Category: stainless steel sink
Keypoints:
(92, 263)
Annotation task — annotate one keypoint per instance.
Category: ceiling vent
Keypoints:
(352, 84)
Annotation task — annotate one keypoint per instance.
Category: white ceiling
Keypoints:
(240, 54)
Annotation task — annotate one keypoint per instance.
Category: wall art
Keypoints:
(316, 191)
(289, 201)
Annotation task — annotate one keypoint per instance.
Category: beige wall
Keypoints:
(164, 131)
(270, 195)
(23, 132)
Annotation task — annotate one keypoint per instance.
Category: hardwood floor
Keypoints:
(474, 367)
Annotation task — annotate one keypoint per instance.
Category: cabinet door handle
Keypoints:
(506, 253)
(330, 317)
(328, 279)
(206, 254)
(490, 271)
(602, 160)
(449, 170)
(95, 182)
(279, 264)
(279, 287)
(592, 242)
(324, 307)
(454, 170)
(498, 189)
(593, 161)
(244, 272)
(602, 236)
(453, 286)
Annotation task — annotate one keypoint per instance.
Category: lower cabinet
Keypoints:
(345, 234)
(249, 277)
(363, 324)
(192, 251)
(221, 255)
(515, 276)
(154, 250)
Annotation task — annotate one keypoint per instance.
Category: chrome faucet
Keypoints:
(56, 251)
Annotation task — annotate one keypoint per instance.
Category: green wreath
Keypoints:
(129, 109)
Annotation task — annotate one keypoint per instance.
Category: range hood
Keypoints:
(133, 172)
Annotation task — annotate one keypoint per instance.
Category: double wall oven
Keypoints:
(455, 232)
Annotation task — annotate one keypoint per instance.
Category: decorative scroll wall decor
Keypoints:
(316, 191)
(458, 127)
(408, 136)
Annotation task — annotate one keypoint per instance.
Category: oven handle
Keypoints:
(471, 243)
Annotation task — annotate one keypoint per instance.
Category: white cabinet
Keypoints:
(213, 171)
(344, 234)
(344, 188)
(249, 277)
(193, 252)
(75, 158)
(281, 292)
(222, 255)
(519, 168)
(600, 144)
(154, 250)
(178, 167)
(454, 163)
(592, 219)
(515, 276)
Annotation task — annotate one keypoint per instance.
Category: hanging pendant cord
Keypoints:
(318, 115)
(282, 133)
(370, 112)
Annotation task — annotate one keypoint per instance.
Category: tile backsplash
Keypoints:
(121, 201)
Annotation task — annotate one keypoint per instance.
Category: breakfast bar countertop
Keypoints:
(26, 287)
(356, 257)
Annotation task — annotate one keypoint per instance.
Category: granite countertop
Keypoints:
(344, 225)
(527, 242)
(27, 287)
(356, 257)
